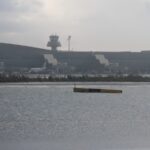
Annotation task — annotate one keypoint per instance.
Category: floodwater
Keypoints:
(49, 116)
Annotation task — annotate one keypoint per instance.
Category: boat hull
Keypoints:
(91, 90)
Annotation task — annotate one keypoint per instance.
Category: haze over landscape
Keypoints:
(95, 25)
(74, 75)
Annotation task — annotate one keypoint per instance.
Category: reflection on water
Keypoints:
(51, 116)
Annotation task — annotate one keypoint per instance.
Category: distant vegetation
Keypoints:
(69, 78)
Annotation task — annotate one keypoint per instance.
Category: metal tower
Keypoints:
(69, 39)
(54, 42)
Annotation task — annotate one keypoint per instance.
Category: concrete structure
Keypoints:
(50, 59)
(54, 42)
(102, 59)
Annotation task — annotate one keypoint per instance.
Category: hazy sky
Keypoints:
(95, 25)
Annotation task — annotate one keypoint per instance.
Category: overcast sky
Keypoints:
(95, 25)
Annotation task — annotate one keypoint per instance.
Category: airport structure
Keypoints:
(54, 42)
(35, 60)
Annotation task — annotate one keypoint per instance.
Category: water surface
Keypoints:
(43, 116)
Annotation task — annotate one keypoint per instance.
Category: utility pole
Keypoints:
(69, 39)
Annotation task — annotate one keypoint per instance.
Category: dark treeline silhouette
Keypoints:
(70, 78)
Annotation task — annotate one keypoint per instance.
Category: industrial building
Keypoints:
(30, 59)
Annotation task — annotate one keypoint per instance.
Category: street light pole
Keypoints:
(69, 39)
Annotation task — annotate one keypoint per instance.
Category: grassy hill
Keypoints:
(17, 56)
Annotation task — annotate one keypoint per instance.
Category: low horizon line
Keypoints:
(65, 50)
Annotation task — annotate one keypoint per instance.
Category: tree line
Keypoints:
(71, 78)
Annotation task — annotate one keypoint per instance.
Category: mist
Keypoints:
(103, 25)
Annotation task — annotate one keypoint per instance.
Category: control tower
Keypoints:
(54, 42)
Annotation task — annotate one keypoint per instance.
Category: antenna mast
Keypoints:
(69, 39)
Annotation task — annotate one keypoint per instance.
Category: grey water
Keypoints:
(50, 116)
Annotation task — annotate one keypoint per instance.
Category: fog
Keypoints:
(95, 25)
